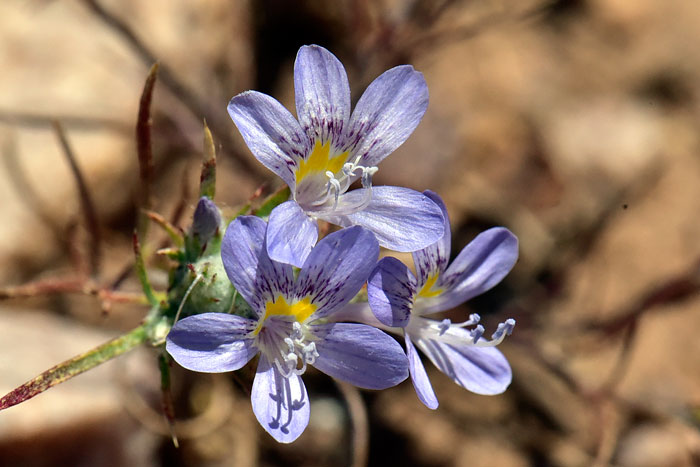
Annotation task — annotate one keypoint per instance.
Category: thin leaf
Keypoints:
(75, 366)
(207, 181)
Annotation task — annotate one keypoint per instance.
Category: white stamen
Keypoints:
(288, 348)
(444, 326)
(476, 333)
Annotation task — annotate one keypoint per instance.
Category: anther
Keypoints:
(444, 326)
(476, 333)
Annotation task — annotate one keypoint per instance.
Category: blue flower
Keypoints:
(328, 149)
(399, 299)
(292, 327)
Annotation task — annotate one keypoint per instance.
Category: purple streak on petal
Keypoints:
(255, 276)
(390, 291)
(336, 269)
(421, 383)
(360, 355)
(271, 132)
(322, 94)
(402, 219)
(291, 234)
(482, 370)
(482, 264)
(434, 258)
(212, 342)
(280, 404)
(387, 113)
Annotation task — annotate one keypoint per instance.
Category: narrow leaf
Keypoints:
(144, 149)
(207, 180)
(75, 366)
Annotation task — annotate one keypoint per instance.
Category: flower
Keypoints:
(399, 299)
(328, 149)
(291, 328)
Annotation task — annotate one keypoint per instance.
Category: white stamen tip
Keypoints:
(476, 333)
(444, 326)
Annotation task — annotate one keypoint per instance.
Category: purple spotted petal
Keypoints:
(482, 264)
(280, 404)
(211, 342)
(434, 258)
(402, 219)
(255, 276)
(291, 234)
(271, 132)
(482, 370)
(322, 94)
(387, 113)
(360, 355)
(421, 383)
(336, 269)
(390, 291)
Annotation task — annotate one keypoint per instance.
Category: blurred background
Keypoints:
(574, 123)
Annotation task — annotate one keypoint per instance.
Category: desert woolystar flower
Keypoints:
(321, 155)
(291, 328)
(399, 299)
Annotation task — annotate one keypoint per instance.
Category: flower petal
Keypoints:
(360, 355)
(322, 94)
(482, 264)
(244, 254)
(291, 234)
(336, 269)
(211, 342)
(390, 290)
(386, 114)
(402, 219)
(271, 132)
(433, 259)
(280, 404)
(421, 383)
(482, 370)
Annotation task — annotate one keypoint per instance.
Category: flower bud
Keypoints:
(207, 219)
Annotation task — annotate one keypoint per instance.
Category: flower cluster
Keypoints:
(302, 293)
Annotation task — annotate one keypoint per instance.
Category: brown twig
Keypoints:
(37, 120)
(175, 86)
(86, 203)
(75, 285)
(673, 290)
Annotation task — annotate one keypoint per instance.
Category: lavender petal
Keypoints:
(291, 234)
(360, 355)
(256, 277)
(402, 219)
(390, 291)
(271, 132)
(433, 259)
(211, 342)
(336, 269)
(482, 370)
(322, 94)
(280, 404)
(421, 383)
(387, 113)
(482, 264)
